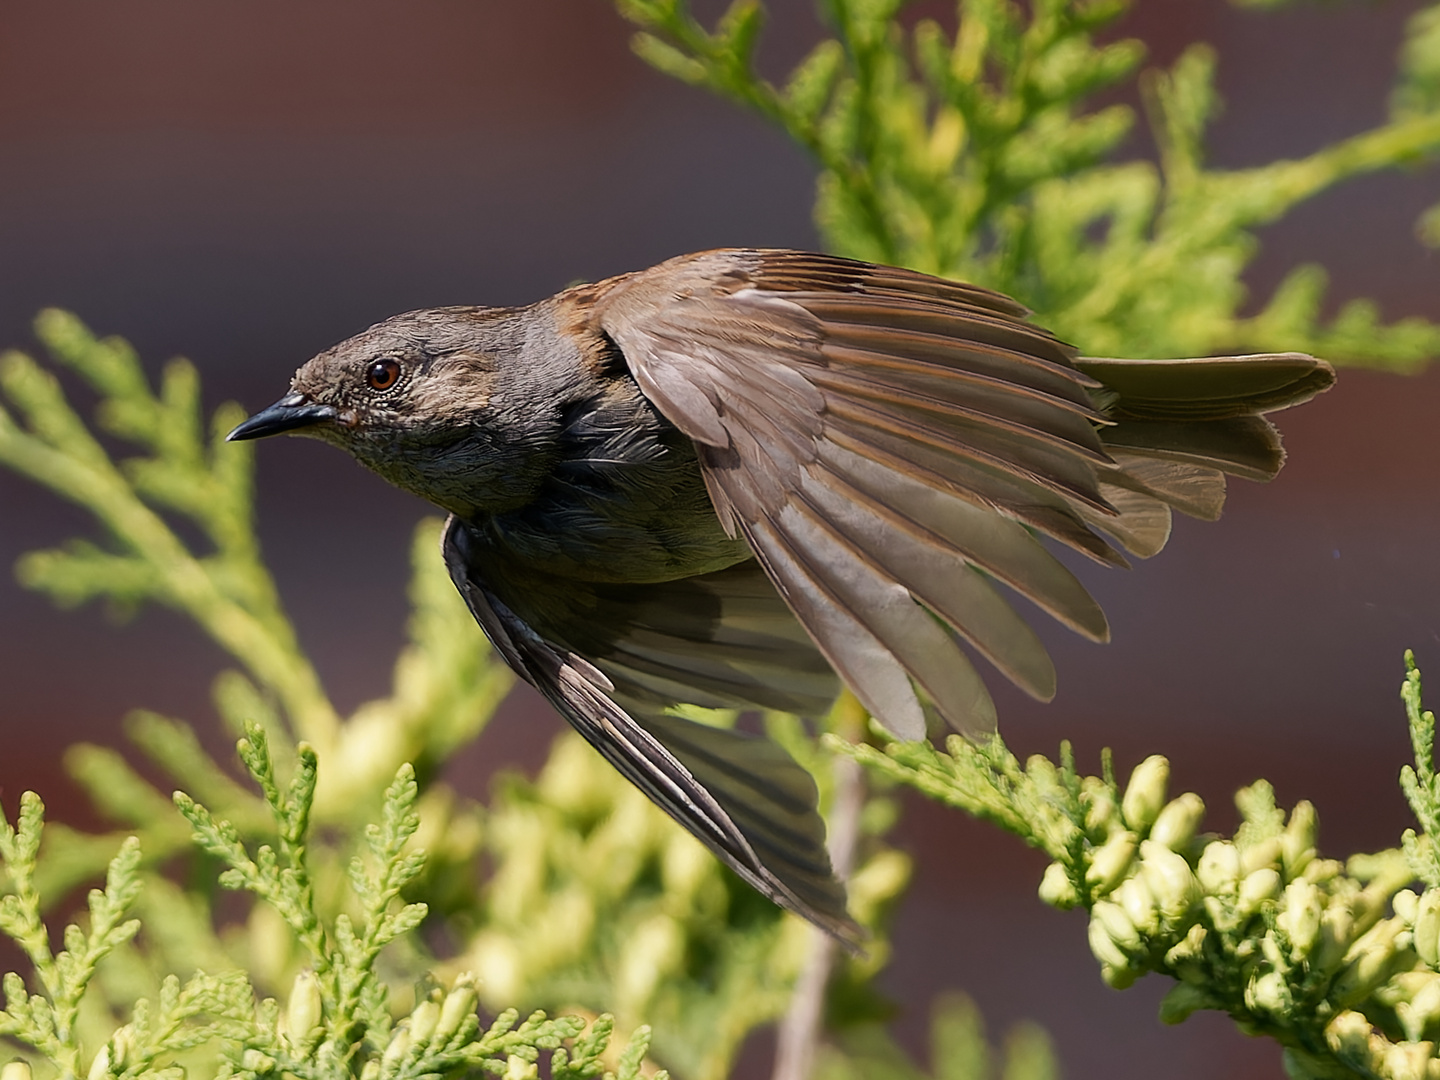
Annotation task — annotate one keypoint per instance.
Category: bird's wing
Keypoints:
(720, 640)
(882, 439)
(742, 796)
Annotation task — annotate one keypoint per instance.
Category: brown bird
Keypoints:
(726, 479)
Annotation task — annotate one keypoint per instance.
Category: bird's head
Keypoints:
(411, 399)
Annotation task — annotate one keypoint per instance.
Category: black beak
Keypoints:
(290, 412)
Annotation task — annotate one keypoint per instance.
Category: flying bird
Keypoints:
(735, 476)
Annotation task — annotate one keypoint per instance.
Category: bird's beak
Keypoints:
(289, 413)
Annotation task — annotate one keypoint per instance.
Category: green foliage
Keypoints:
(958, 1051)
(1291, 945)
(227, 589)
(336, 1022)
(48, 1022)
(1421, 787)
(596, 897)
(977, 154)
(595, 894)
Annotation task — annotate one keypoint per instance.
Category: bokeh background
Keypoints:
(246, 183)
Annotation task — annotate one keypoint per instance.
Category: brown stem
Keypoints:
(799, 1032)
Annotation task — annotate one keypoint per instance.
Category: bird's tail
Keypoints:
(1180, 426)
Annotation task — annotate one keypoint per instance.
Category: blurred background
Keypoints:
(247, 183)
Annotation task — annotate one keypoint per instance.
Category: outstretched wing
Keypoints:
(885, 441)
(861, 427)
(717, 641)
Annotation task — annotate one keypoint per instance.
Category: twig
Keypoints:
(799, 1031)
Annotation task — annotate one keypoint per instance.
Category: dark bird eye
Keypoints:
(383, 374)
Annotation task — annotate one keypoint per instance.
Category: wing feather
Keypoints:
(871, 439)
(890, 439)
(743, 797)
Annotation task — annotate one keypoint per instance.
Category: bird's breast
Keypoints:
(624, 500)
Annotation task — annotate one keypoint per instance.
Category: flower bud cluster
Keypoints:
(1422, 913)
(1308, 940)
(1143, 889)
(1363, 1051)
(112, 1059)
(1142, 913)
(1290, 923)
(1415, 997)
(303, 1011)
(440, 1022)
(1258, 926)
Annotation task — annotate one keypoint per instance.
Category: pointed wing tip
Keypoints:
(835, 923)
(842, 930)
(832, 919)
(1045, 693)
(975, 734)
(906, 722)
(851, 937)
(1097, 628)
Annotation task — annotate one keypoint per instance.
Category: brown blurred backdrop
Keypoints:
(248, 182)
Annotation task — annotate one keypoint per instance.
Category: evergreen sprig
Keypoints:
(1290, 944)
(336, 1022)
(47, 1020)
(595, 897)
(1420, 784)
(980, 153)
(446, 683)
(180, 470)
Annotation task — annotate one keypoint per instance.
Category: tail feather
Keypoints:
(1178, 427)
(1245, 446)
(1209, 388)
(1197, 491)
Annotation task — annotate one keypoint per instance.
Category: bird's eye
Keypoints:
(383, 374)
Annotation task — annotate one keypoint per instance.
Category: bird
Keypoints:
(744, 477)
